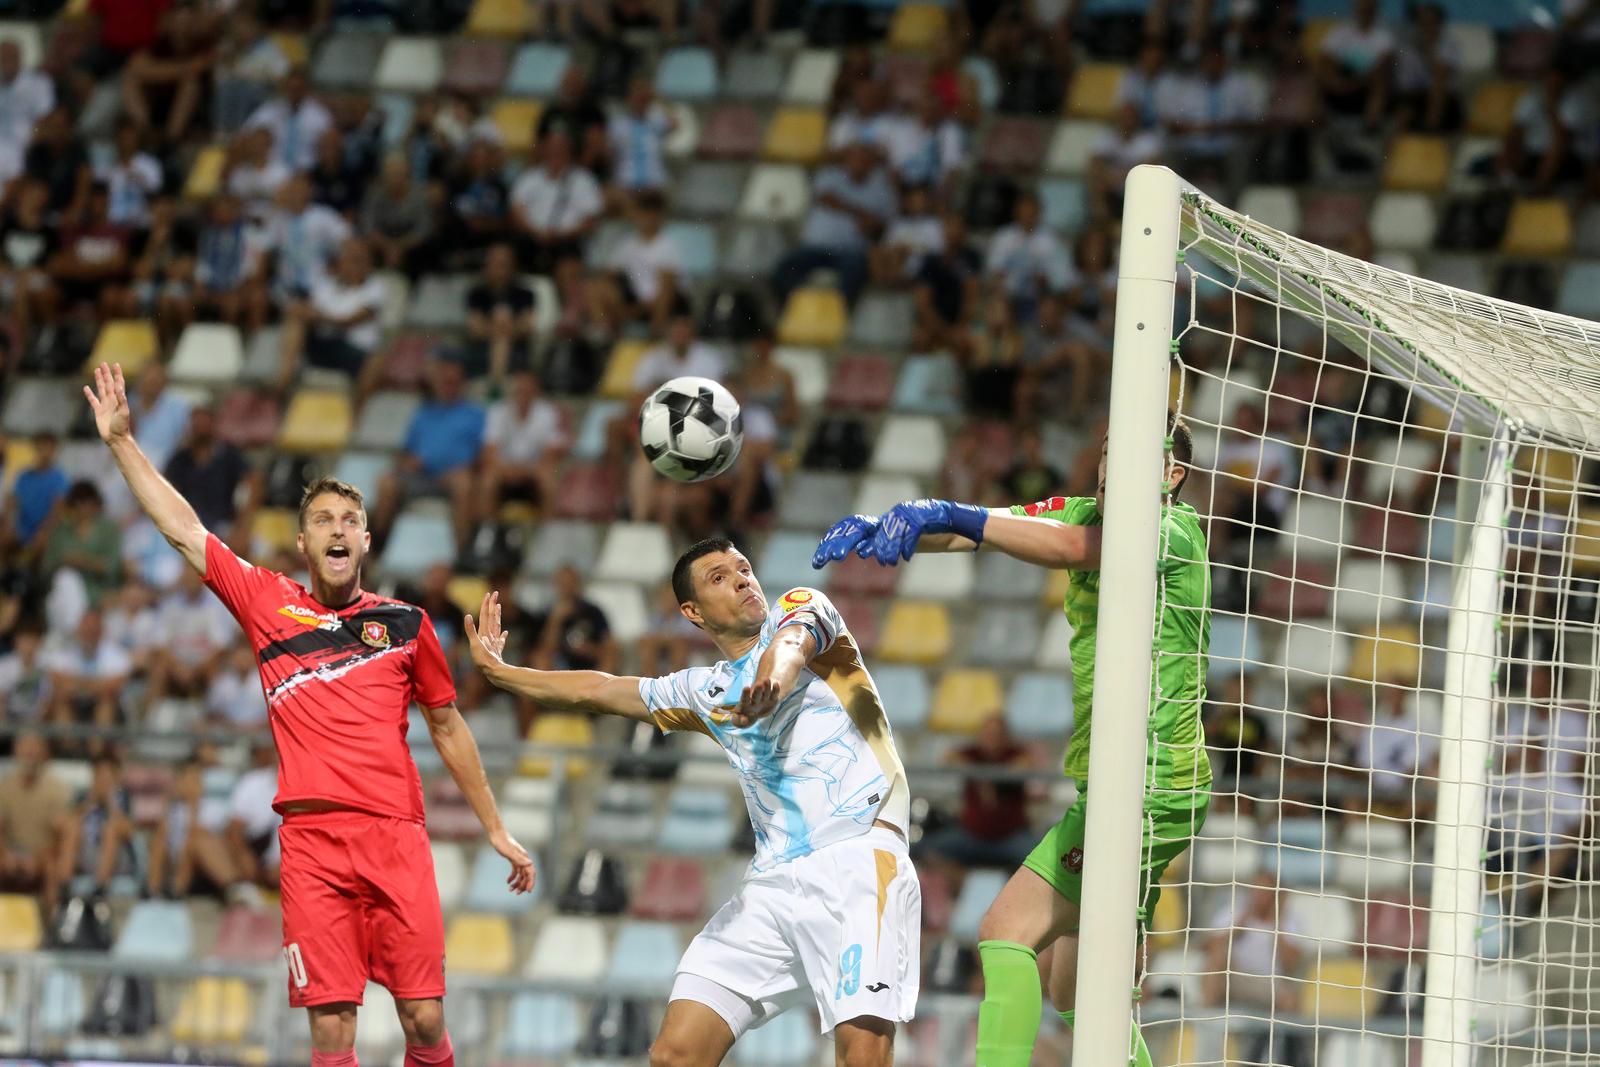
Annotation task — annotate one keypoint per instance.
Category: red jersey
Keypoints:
(339, 684)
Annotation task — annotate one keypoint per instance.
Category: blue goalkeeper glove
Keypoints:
(904, 524)
(853, 533)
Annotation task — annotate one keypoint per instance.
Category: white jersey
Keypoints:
(823, 765)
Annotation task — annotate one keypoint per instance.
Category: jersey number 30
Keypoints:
(297, 964)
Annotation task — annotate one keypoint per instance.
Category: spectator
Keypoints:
(337, 327)
(33, 806)
(1539, 148)
(1237, 735)
(125, 27)
(1031, 476)
(1536, 814)
(171, 75)
(1207, 113)
(88, 672)
(573, 634)
(554, 205)
(234, 698)
(993, 830)
(427, 145)
(249, 63)
(1146, 84)
(946, 288)
(195, 634)
(304, 236)
(913, 236)
(92, 263)
(767, 384)
(932, 148)
(991, 353)
(296, 119)
(161, 416)
(575, 113)
(641, 281)
(1255, 964)
(850, 205)
(1355, 65)
(1427, 92)
(24, 681)
(59, 160)
(98, 840)
(1535, 716)
(28, 243)
(637, 133)
(255, 174)
(479, 202)
(188, 851)
(1062, 355)
(869, 120)
(439, 454)
(84, 540)
(499, 319)
(525, 440)
(132, 621)
(252, 829)
(606, 18)
(226, 261)
(163, 271)
(26, 96)
(337, 180)
(969, 467)
(34, 493)
(1027, 261)
(1397, 751)
(131, 177)
(669, 639)
(397, 217)
(1118, 150)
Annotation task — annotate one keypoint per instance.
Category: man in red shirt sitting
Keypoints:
(340, 667)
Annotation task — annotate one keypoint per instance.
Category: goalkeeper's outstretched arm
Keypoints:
(914, 526)
(591, 691)
(1042, 542)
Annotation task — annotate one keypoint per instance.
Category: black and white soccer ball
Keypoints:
(691, 429)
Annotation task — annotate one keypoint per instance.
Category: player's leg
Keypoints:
(693, 1034)
(427, 1042)
(1064, 991)
(324, 936)
(866, 1041)
(407, 929)
(333, 1034)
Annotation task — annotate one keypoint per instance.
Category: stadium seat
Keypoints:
(1459, 271)
(274, 529)
(1273, 205)
(929, 385)
(1330, 218)
(380, 1036)
(915, 632)
(20, 929)
(1003, 636)
(1095, 92)
(540, 1026)
(1236, 646)
(977, 893)
(1504, 999)
(410, 65)
(213, 1011)
(421, 538)
(486, 887)
(635, 552)
(1072, 147)
(155, 931)
(863, 616)
(752, 249)
(1328, 917)
(1001, 577)
(1299, 856)
(1055, 642)
(624, 816)
(1314, 528)
(1402, 221)
(40, 405)
(1014, 145)
(809, 499)
(1417, 163)
(778, 192)
(918, 27)
(965, 700)
(684, 139)
(363, 470)
(517, 122)
(248, 418)
(1369, 590)
(537, 69)
(1176, 974)
(1342, 991)
(687, 74)
(1489, 114)
(673, 890)
(250, 936)
(1039, 707)
(1539, 228)
(592, 440)
(904, 692)
(450, 871)
(62, 1006)
(937, 576)
(1340, 1048)
(699, 822)
(617, 383)
(480, 944)
(811, 77)
(476, 68)
(862, 382)
(1395, 926)
(813, 317)
(133, 343)
(643, 958)
(882, 320)
(439, 301)
(756, 74)
(909, 444)
(876, 494)
(708, 187)
(499, 18)
(560, 542)
(347, 61)
(860, 577)
(697, 248)
(560, 730)
(1580, 290)
(796, 135)
(1302, 590)
(385, 418)
(1389, 653)
(790, 1039)
(317, 421)
(1314, 651)
(624, 606)
(785, 562)
(731, 131)
(1063, 203)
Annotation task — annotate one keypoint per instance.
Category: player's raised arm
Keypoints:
(166, 507)
(776, 674)
(592, 691)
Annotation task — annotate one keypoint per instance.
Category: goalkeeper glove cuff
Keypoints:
(968, 521)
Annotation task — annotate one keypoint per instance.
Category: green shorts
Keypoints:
(1172, 818)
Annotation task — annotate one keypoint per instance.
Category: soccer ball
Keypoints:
(691, 429)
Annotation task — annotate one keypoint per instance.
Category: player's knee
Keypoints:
(668, 1052)
(422, 1020)
(864, 1043)
(333, 1027)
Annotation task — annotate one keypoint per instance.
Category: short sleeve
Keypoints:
(670, 701)
(431, 683)
(812, 609)
(235, 582)
(1070, 509)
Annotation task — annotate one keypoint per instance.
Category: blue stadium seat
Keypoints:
(1302, 856)
(363, 470)
(812, 498)
(563, 541)
(1001, 577)
(590, 442)
(1039, 706)
(1004, 636)
(697, 247)
(624, 816)
(699, 822)
(644, 958)
(785, 562)
(929, 385)
(421, 537)
(883, 321)
(1235, 646)
(687, 74)
(977, 893)
(755, 75)
(1063, 205)
(541, 1026)
(790, 1040)
(397, 110)
(1580, 290)
(156, 930)
(904, 691)
(707, 187)
(347, 61)
(537, 70)
(62, 1005)
(486, 887)
(983, 75)
(752, 248)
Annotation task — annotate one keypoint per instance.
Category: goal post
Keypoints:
(1397, 479)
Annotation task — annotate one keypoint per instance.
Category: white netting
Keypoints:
(1348, 419)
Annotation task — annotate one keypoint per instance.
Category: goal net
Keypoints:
(1398, 481)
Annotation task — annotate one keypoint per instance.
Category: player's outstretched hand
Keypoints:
(485, 639)
(522, 874)
(853, 533)
(109, 402)
(907, 522)
(759, 699)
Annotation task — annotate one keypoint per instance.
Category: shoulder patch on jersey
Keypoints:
(794, 598)
(1054, 503)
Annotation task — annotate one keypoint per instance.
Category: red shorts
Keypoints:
(359, 902)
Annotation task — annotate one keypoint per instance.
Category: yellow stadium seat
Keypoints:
(1312, 34)
(559, 730)
(1417, 163)
(915, 632)
(499, 18)
(1341, 992)
(797, 135)
(215, 1011)
(1585, 544)
(318, 420)
(1389, 653)
(625, 356)
(480, 944)
(1554, 472)
(19, 923)
(130, 342)
(275, 529)
(918, 27)
(293, 46)
(813, 318)
(965, 700)
(517, 121)
(205, 175)
(1171, 917)
(518, 513)
(466, 592)
(1094, 91)
(1539, 228)
(1489, 114)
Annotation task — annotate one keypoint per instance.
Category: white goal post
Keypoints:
(1397, 479)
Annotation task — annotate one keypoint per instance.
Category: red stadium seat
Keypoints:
(862, 382)
(249, 419)
(731, 131)
(674, 890)
(862, 577)
(862, 616)
(477, 68)
(449, 816)
(248, 935)
(937, 898)
(588, 491)
(1396, 926)
(1014, 144)
(1297, 590)
(1392, 532)
(1331, 218)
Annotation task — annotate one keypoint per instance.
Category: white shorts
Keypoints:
(841, 927)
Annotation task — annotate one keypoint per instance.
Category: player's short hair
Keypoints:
(330, 485)
(1182, 446)
(682, 579)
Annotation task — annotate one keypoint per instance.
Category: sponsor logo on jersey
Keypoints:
(877, 987)
(375, 634)
(1073, 861)
(307, 617)
(794, 598)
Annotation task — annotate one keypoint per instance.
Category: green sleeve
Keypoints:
(1075, 510)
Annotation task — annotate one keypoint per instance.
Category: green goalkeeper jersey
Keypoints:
(1177, 750)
